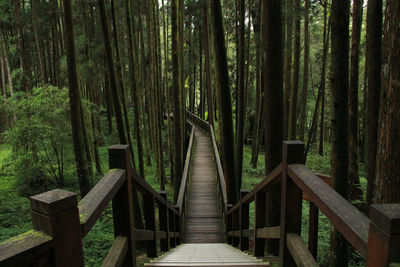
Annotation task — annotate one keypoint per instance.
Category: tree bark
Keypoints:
(295, 74)
(74, 99)
(241, 104)
(340, 92)
(374, 63)
(304, 94)
(354, 179)
(388, 156)
(225, 102)
(273, 97)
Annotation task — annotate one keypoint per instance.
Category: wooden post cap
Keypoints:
(53, 202)
(386, 217)
(293, 152)
(117, 155)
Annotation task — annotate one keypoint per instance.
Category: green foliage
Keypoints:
(40, 138)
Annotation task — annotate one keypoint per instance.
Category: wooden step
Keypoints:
(209, 255)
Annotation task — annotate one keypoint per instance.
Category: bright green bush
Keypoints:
(40, 138)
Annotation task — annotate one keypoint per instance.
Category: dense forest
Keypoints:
(78, 76)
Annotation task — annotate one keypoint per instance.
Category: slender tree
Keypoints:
(304, 92)
(340, 94)
(374, 63)
(241, 97)
(223, 88)
(294, 90)
(74, 100)
(354, 179)
(273, 97)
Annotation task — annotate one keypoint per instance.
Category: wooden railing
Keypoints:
(377, 239)
(60, 223)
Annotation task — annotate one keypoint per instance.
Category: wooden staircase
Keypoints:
(203, 222)
(215, 254)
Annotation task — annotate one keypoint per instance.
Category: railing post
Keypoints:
(291, 199)
(229, 227)
(235, 227)
(259, 222)
(122, 203)
(178, 227)
(163, 221)
(56, 213)
(313, 230)
(171, 228)
(150, 224)
(384, 235)
(244, 220)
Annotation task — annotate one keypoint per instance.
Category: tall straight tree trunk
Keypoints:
(294, 90)
(288, 65)
(210, 100)
(116, 100)
(119, 77)
(21, 47)
(225, 102)
(354, 179)
(38, 46)
(133, 64)
(388, 156)
(374, 63)
(255, 145)
(241, 104)
(340, 120)
(304, 94)
(74, 100)
(323, 73)
(177, 88)
(273, 96)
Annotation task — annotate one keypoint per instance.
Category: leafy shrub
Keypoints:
(40, 138)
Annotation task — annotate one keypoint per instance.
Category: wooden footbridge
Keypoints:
(202, 228)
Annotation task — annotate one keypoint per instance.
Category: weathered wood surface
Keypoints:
(299, 251)
(344, 216)
(116, 255)
(96, 201)
(25, 249)
(203, 214)
(206, 255)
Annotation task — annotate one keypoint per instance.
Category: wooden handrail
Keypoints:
(352, 223)
(185, 175)
(25, 248)
(96, 201)
(271, 179)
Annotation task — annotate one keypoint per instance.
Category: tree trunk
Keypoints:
(295, 74)
(340, 93)
(374, 63)
(241, 97)
(355, 187)
(304, 94)
(177, 88)
(225, 102)
(273, 96)
(74, 99)
(210, 100)
(288, 66)
(388, 156)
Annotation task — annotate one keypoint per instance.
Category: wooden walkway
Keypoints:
(206, 255)
(203, 219)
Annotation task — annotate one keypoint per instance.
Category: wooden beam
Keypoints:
(299, 251)
(117, 253)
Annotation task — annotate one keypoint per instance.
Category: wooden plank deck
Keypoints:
(206, 255)
(203, 219)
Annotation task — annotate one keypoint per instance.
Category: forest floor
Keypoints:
(15, 214)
